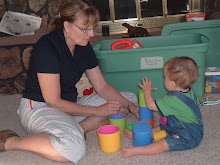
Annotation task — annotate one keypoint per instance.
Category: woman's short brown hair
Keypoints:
(71, 10)
(182, 70)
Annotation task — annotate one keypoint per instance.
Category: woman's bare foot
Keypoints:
(128, 134)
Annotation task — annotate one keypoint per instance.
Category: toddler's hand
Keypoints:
(147, 85)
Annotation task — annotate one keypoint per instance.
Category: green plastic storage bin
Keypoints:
(125, 68)
(209, 28)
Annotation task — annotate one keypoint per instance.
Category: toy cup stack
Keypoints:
(146, 115)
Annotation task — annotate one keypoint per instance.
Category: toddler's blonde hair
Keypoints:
(182, 70)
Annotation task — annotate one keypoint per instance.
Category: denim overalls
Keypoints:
(183, 136)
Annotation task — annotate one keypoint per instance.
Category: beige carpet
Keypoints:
(208, 153)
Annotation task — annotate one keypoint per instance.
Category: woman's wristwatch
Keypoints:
(130, 105)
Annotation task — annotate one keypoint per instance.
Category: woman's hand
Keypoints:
(134, 109)
(109, 108)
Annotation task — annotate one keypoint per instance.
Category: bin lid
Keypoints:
(157, 50)
(209, 28)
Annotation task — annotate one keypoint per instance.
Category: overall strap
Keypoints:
(193, 104)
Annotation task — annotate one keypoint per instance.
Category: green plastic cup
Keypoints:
(141, 99)
(119, 120)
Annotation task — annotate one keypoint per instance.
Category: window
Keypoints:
(125, 9)
(103, 7)
(144, 12)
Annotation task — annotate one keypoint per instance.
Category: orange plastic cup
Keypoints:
(109, 138)
(151, 122)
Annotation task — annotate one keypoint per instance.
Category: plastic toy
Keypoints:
(130, 127)
(126, 44)
(212, 80)
(158, 135)
(136, 44)
(119, 120)
(109, 138)
(142, 132)
(121, 44)
(146, 115)
(163, 120)
(210, 99)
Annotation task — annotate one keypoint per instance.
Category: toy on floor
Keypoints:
(109, 138)
(210, 99)
(130, 127)
(158, 135)
(163, 120)
(119, 120)
(146, 115)
(142, 132)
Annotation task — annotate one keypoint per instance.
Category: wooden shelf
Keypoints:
(32, 39)
(22, 40)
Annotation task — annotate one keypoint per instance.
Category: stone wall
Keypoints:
(14, 59)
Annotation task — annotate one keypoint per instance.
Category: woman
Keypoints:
(50, 112)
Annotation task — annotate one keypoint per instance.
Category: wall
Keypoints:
(15, 51)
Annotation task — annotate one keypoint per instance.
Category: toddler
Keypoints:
(180, 106)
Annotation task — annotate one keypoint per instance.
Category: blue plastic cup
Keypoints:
(142, 132)
(145, 114)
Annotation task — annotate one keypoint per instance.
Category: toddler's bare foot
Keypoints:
(128, 152)
(128, 134)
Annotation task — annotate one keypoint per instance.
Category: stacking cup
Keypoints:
(142, 134)
(158, 135)
(151, 122)
(146, 115)
(109, 138)
(119, 120)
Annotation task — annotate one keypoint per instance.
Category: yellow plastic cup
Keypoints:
(109, 138)
(119, 120)
(158, 135)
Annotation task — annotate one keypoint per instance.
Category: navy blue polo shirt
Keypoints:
(52, 55)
